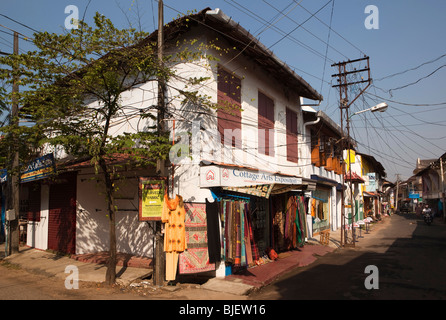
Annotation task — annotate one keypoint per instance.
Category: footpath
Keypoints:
(132, 270)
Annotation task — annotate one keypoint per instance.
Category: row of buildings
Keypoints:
(273, 157)
(425, 186)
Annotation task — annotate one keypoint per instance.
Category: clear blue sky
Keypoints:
(410, 34)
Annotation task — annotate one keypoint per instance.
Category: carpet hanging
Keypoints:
(196, 258)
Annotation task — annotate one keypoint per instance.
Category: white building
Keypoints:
(266, 144)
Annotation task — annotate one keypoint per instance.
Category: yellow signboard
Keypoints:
(151, 196)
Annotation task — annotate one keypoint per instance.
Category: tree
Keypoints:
(74, 85)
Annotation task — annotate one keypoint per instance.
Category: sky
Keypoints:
(405, 40)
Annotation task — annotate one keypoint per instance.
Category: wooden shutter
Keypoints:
(62, 214)
(33, 213)
(291, 135)
(229, 101)
(265, 125)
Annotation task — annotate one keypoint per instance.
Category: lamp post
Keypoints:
(381, 107)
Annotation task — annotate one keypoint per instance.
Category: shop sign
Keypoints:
(371, 185)
(414, 195)
(39, 168)
(215, 176)
(151, 196)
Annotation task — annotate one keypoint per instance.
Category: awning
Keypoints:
(266, 190)
(353, 177)
(370, 194)
(326, 181)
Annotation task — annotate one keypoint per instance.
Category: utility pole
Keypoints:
(442, 188)
(159, 274)
(397, 190)
(343, 84)
(13, 235)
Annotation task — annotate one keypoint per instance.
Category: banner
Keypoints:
(151, 197)
(216, 176)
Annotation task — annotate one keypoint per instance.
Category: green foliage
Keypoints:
(71, 90)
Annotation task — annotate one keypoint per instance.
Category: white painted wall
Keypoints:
(92, 224)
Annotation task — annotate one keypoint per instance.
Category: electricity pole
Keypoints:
(159, 274)
(442, 188)
(343, 85)
(397, 191)
(13, 241)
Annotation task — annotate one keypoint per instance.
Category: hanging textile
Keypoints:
(254, 248)
(213, 231)
(290, 225)
(237, 244)
(196, 258)
(173, 216)
(278, 224)
(300, 221)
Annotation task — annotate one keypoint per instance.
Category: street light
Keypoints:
(381, 107)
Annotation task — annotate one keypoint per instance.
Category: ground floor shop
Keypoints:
(253, 230)
(232, 218)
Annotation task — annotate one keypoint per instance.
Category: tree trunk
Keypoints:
(110, 277)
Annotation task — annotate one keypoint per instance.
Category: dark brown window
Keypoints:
(229, 103)
(291, 135)
(266, 125)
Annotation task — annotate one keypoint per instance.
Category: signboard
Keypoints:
(371, 184)
(215, 176)
(151, 196)
(414, 195)
(39, 168)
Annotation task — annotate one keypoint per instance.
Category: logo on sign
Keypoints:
(210, 175)
(225, 174)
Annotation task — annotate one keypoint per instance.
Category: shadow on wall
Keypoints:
(92, 231)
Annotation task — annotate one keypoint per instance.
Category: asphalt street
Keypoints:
(408, 256)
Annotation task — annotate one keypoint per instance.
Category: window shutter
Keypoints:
(291, 135)
(229, 100)
(265, 125)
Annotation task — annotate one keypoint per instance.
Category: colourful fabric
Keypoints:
(171, 265)
(254, 248)
(196, 258)
(300, 221)
(173, 216)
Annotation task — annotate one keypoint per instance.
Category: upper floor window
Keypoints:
(229, 111)
(291, 135)
(265, 125)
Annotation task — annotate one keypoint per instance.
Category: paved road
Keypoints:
(409, 256)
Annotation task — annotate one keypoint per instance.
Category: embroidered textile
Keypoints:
(196, 258)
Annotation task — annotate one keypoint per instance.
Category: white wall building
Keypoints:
(271, 145)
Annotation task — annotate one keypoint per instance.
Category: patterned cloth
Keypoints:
(196, 258)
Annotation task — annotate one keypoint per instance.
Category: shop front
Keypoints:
(259, 215)
(324, 204)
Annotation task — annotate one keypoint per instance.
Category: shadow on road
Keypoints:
(409, 256)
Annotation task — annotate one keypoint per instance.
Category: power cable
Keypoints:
(294, 29)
